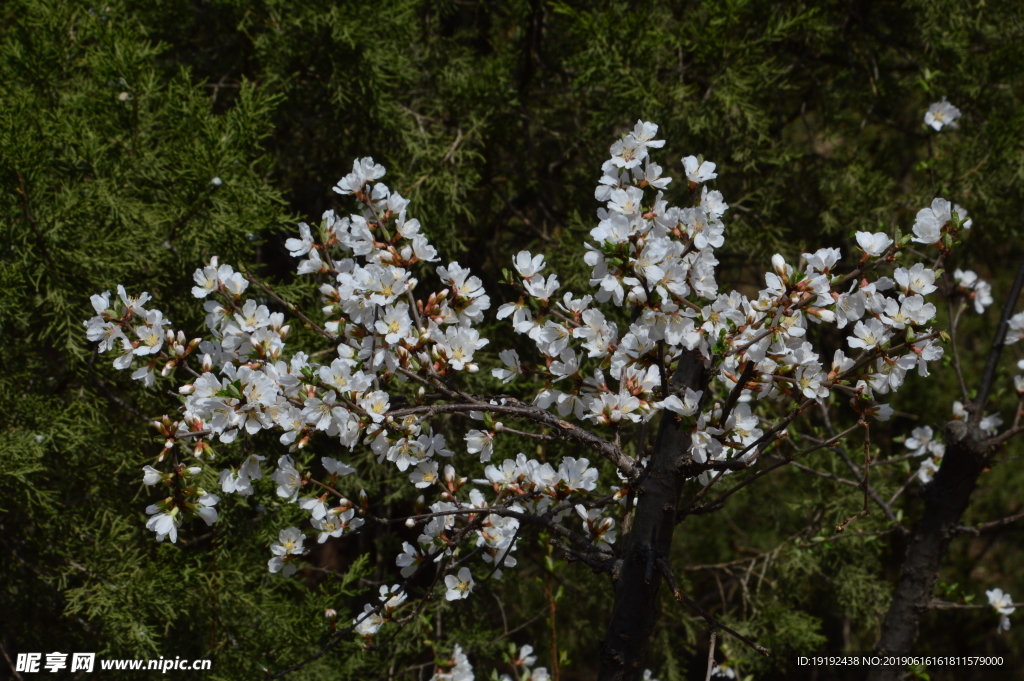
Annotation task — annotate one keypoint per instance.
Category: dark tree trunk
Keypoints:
(946, 498)
(650, 537)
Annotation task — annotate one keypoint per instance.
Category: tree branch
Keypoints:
(998, 340)
(978, 529)
(728, 493)
(606, 449)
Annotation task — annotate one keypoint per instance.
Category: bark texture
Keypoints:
(946, 498)
(638, 581)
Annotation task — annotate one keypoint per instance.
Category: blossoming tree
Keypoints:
(652, 375)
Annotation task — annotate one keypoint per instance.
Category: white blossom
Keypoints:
(528, 265)
(370, 622)
(868, 336)
(459, 586)
(941, 114)
(289, 544)
(873, 244)
(480, 442)
(979, 290)
(921, 441)
(424, 475)
(1002, 603)
(457, 668)
(288, 478)
(686, 407)
(697, 171)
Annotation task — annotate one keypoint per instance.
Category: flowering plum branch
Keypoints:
(401, 328)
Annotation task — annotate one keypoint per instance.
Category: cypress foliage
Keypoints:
(493, 117)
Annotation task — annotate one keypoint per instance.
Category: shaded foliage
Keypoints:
(494, 118)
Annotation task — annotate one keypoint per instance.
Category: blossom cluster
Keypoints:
(458, 668)
(603, 360)
(524, 664)
(659, 261)
(455, 668)
(244, 383)
(186, 500)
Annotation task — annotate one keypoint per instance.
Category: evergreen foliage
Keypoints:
(493, 117)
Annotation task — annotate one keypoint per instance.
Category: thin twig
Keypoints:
(730, 402)
(827, 443)
(666, 570)
(872, 493)
(989, 374)
(978, 529)
(535, 436)
(1003, 437)
(711, 652)
(954, 321)
(822, 474)
(14, 670)
(946, 605)
(864, 482)
(902, 489)
(520, 627)
(102, 385)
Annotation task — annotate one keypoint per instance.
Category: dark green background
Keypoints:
(494, 118)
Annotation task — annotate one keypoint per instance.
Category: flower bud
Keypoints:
(207, 363)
